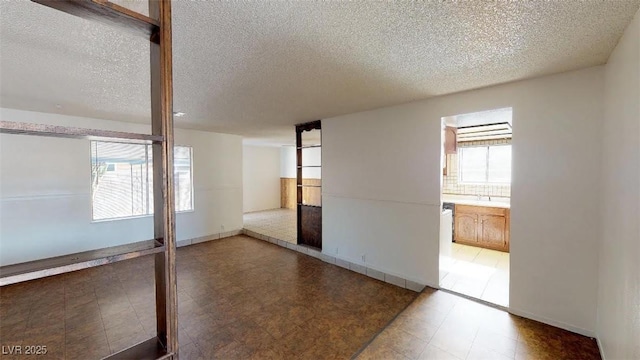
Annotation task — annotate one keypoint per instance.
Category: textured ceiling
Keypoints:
(257, 68)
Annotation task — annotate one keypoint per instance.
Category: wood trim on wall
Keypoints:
(288, 193)
(312, 196)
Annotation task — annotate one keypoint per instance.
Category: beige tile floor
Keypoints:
(439, 325)
(476, 272)
(276, 223)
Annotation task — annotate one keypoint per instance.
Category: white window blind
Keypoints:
(122, 180)
(499, 164)
(485, 164)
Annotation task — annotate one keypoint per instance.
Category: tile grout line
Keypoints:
(64, 333)
(375, 336)
(328, 259)
(102, 321)
(438, 329)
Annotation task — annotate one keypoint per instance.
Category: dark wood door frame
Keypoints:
(309, 216)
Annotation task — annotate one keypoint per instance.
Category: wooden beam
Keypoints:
(299, 194)
(107, 13)
(12, 274)
(20, 128)
(163, 186)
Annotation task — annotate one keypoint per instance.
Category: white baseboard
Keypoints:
(600, 348)
(343, 263)
(558, 324)
(408, 284)
(193, 241)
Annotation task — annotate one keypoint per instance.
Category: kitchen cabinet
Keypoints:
(482, 226)
(450, 140)
(466, 227)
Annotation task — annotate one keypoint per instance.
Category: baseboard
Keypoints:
(408, 284)
(201, 239)
(600, 348)
(343, 263)
(558, 324)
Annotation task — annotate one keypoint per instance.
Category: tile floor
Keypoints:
(241, 298)
(476, 272)
(238, 298)
(277, 223)
(439, 325)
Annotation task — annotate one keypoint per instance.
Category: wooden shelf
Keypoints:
(311, 186)
(156, 28)
(151, 349)
(12, 274)
(310, 166)
(309, 205)
(20, 128)
(107, 13)
(309, 146)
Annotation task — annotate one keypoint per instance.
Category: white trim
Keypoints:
(601, 349)
(201, 239)
(355, 267)
(554, 323)
(149, 190)
(393, 279)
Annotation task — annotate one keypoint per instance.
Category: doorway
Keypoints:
(476, 205)
(309, 183)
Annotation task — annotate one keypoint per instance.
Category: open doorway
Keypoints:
(476, 202)
(296, 217)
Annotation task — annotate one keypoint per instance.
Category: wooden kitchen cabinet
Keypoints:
(482, 226)
(450, 140)
(466, 227)
(493, 232)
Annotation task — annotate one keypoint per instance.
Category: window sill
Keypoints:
(136, 217)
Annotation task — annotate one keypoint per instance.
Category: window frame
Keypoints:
(486, 182)
(149, 150)
(193, 198)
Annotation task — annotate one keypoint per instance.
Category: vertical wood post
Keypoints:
(163, 185)
(299, 183)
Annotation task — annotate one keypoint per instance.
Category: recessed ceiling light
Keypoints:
(178, 113)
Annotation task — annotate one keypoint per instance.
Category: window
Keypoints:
(485, 164)
(122, 180)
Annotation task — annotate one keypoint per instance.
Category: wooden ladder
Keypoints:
(157, 29)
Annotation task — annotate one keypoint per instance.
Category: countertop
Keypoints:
(498, 202)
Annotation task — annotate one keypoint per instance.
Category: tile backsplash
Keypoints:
(450, 183)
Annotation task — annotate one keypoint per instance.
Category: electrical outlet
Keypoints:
(337, 249)
(364, 258)
(222, 228)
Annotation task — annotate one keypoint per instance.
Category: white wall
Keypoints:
(310, 156)
(45, 190)
(381, 190)
(619, 287)
(288, 162)
(380, 197)
(260, 178)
